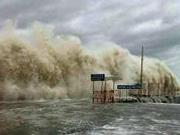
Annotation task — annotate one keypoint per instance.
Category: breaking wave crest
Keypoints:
(48, 66)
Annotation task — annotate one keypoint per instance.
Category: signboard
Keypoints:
(133, 86)
(97, 77)
(113, 78)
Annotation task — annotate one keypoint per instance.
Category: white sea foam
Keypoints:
(109, 129)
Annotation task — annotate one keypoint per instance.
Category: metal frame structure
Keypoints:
(139, 90)
(103, 95)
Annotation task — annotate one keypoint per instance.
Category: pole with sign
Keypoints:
(97, 77)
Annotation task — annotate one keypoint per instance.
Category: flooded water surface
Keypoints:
(73, 116)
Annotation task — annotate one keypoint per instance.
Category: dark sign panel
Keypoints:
(133, 86)
(97, 77)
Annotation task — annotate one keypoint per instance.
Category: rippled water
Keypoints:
(81, 117)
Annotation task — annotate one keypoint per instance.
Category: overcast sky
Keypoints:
(129, 23)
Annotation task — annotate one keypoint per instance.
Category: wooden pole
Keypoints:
(141, 74)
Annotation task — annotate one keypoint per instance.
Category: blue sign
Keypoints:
(133, 86)
(97, 77)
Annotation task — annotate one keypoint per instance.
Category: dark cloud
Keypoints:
(130, 23)
(46, 11)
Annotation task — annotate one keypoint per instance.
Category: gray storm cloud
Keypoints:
(155, 23)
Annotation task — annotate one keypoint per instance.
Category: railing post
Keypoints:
(105, 92)
(93, 92)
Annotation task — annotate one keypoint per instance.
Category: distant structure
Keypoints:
(103, 95)
(126, 92)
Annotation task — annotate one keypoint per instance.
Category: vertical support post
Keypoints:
(113, 85)
(148, 89)
(141, 74)
(126, 95)
(157, 91)
(113, 91)
(160, 90)
(93, 92)
(105, 92)
(101, 86)
(101, 91)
